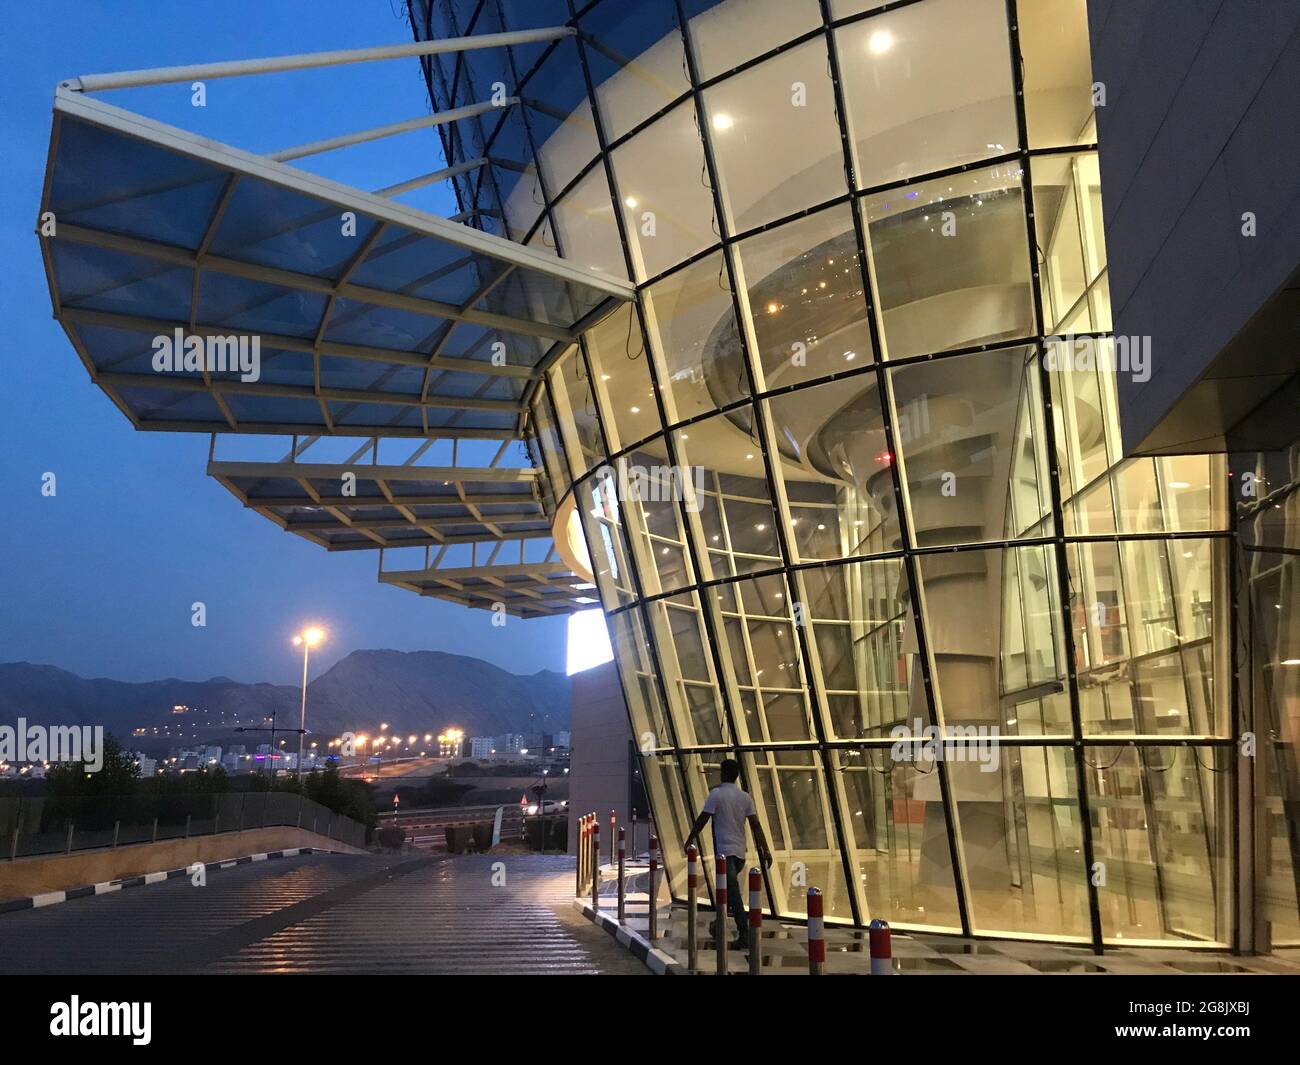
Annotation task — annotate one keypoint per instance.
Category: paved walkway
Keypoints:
(465, 914)
(785, 949)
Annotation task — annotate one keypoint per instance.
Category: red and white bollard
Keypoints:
(595, 865)
(653, 909)
(692, 906)
(720, 902)
(582, 854)
(882, 948)
(755, 921)
(816, 933)
(613, 835)
(622, 870)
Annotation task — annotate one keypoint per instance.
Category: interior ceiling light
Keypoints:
(723, 122)
(880, 42)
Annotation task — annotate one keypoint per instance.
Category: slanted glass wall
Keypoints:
(851, 466)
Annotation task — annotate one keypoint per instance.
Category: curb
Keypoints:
(638, 946)
(53, 898)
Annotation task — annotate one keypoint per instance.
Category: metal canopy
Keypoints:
(483, 531)
(393, 506)
(210, 289)
(370, 316)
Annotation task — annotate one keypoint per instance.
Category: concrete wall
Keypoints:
(1199, 126)
(34, 876)
(599, 768)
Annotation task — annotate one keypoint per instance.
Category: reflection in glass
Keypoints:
(806, 298)
(927, 86)
(950, 260)
(836, 469)
(782, 112)
(971, 447)
(1161, 828)
(692, 324)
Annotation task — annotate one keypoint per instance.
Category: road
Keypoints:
(328, 913)
(426, 828)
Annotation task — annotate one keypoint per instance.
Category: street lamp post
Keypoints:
(308, 638)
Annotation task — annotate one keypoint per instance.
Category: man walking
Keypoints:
(730, 807)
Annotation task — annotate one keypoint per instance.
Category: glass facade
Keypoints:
(838, 477)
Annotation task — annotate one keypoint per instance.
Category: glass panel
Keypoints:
(650, 490)
(548, 435)
(666, 203)
(1020, 831)
(971, 447)
(634, 78)
(622, 379)
(1194, 489)
(900, 838)
(672, 816)
(950, 261)
(864, 641)
(1161, 833)
(1057, 71)
(692, 323)
(689, 676)
(1153, 602)
(796, 815)
(1068, 226)
(598, 508)
(588, 230)
(632, 652)
(927, 87)
(994, 629)
(761, 651)
(806, 298)
(575, 406)
(836, 469)
(1274, 580)
(725, 35)
(737, 517)
(783, 113)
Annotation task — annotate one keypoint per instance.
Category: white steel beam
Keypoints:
(235, 68)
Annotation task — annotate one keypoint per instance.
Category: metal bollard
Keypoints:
(882, 948)
(613, 835)
(622, 872)
(155, 830)
(755, 921)
(653, 910)
(692, 907)
(70, 827)
(582, 845)
(117, 831)
(720, 903)
(595, 865)
(816, 933)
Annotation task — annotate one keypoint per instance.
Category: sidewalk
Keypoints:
(784, 946)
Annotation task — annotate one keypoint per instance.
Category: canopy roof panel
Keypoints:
(306, 305)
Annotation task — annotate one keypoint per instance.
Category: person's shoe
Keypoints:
(739, 944)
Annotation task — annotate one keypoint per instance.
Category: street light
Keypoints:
(308, 638)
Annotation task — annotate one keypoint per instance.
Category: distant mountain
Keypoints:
(414, 691)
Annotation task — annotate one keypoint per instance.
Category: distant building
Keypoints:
(481, 746)
(563, 739)
(148, 766)
(507, 743)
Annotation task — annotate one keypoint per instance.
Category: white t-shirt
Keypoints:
(729, 805)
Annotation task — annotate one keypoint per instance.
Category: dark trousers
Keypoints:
(737, 904)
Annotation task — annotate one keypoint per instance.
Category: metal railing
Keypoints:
(60, 825)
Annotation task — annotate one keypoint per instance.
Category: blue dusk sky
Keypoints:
(99, 579)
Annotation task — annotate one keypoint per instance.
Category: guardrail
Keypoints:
(58, 825)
